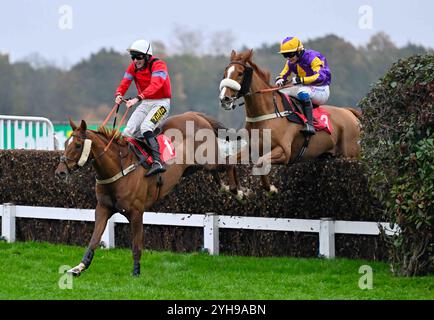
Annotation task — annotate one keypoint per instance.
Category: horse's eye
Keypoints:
(77, 145)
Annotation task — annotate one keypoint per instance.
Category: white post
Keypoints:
(211, 233)
(9, 135)
(8, 222)
(37, 137)
(51, 136)
(108, 236)
(2, 123)
(327, 238)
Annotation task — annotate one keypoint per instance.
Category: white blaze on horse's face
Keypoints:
(68, 142)
(225, 101)
(228, 76)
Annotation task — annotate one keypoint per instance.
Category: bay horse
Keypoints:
(244, 79)
(121, 185)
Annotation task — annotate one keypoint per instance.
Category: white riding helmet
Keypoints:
(142, 46)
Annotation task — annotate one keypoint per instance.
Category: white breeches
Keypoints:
(318, 95)
(148, 115)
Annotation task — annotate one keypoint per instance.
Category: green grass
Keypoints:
(30, 270)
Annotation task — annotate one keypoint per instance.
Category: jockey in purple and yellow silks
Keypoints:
(311, 79)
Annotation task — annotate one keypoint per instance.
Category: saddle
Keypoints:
(294, 107)
(143, 152)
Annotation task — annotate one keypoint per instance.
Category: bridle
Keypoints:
(247, 79)
(85, 153)
(242, 89)
(84, 157)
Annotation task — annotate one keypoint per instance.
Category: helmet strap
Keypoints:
(146, 60)
(300, 53)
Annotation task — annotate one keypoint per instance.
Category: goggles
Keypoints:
(139, 56)
(289, 54)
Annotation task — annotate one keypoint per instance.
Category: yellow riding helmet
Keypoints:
(290, 44)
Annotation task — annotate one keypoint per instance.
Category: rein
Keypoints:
(85, 153)
(130, 168)
(115, 107)
(272, 89)
(120, 174)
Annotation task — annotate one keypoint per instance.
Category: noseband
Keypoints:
(244, 87)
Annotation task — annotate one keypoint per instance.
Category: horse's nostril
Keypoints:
(61, 174)
(226, 99)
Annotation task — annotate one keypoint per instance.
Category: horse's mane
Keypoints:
(109, 133)
(263, 74)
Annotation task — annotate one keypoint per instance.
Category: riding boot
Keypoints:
(154, 147)
(307, 108)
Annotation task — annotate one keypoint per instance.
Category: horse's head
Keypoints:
(237, 79)
(77, 150)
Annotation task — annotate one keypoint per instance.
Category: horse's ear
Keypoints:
(83, 126)
(233, 54)
(72, 124)
(250, 54)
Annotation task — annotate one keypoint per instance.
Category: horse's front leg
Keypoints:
(102, 214)
(136, 221)
(267, 186)
(234, 186)
(263, 167)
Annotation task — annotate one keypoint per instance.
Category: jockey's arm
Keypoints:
(125, 82)
(284, 74)
(316, 66)
(159, 76)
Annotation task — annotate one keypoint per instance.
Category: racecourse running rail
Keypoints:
(211, 223)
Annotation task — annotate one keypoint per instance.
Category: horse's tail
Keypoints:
(356, 112)
(215, 124)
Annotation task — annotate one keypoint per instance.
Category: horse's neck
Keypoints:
(259, 104)
(107, 163)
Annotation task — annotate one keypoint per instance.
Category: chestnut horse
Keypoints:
(243, 78)
(121, 185)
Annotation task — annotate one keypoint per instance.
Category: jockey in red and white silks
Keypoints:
(154, 92)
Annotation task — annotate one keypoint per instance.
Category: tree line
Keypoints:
(86, 89)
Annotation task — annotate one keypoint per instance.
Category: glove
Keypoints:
(131, 102)
(296, 80)
(280, 82)
(118, 99)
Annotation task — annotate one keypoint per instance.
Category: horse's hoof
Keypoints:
(248, 194)
(77, 270)
(240, 197)
(74, 272)
(225, 188)
(273, 191)
(135, 273)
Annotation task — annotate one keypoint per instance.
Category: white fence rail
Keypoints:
(326, 228)
(17, 132)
